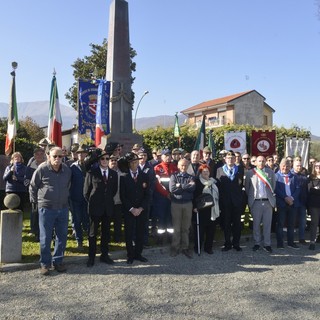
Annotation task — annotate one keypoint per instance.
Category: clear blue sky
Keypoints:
(189, 51)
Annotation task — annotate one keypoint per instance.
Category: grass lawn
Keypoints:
(30, 248)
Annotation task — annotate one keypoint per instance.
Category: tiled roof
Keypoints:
(215, 102)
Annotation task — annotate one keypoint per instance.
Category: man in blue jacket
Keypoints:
(287, 193)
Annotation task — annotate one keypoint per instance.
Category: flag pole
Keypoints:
(13, 73)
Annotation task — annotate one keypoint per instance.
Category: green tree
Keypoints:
(160, 137)
(30, 130)
(93, 65)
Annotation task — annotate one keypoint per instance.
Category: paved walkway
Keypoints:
(225, 285)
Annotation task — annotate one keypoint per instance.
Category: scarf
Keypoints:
(210, 187)
(230, 173)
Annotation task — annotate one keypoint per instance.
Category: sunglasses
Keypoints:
(104, 158)
(245, 158)
(57, 156)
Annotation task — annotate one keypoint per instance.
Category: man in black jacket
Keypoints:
(134, 195)
(100, 187)
(230, 184)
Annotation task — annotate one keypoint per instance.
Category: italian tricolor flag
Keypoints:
(55, 120)
(12, 117)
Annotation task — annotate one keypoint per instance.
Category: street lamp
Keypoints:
(135, 115)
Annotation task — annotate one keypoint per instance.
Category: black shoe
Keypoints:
(280, 246)
(141, 258)
(130, 261)
(237, 248)
(187, 253)
(268, 249)
(106, 259)
(312, 246)
(208, 251)
(60, 267)
(318, 239)
(293, 246)
(226, 248)
(256, 247)
(302, 241)
(90, 262)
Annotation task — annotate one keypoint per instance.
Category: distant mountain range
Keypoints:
(39, 112)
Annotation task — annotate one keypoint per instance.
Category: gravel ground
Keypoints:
(225, 285)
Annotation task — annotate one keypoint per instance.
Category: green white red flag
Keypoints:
(55, 120)
(12, 117)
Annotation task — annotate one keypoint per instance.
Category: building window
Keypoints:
(265, 120)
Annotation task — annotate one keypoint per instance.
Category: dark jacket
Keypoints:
(280, 189)
(99, 194)
(302, 182)
(15, 185)
(313, 193)
(182, 186)
(77, 182)
(134, 194)
(230, 191)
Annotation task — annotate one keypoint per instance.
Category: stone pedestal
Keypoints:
(11, 236)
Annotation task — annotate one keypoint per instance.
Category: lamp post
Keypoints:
(135, 115)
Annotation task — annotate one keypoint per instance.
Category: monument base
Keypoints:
(127, 139)
(11, 236)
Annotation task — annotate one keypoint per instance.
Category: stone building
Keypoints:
(241, 108)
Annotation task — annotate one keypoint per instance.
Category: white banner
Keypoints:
(298, 147)
(235, 141)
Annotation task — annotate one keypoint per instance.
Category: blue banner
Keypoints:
(87, 106)
(102, 114)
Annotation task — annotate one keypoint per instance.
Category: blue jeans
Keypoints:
(284, 213)
(80, 218)
(162, 210)
(300, 213)
(53, 220)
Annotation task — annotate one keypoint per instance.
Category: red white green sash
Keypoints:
(263, 177)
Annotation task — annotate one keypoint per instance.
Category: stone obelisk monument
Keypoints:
(119, 73)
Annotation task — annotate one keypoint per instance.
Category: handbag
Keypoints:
(204, 200)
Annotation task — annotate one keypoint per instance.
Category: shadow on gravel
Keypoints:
(219, 263)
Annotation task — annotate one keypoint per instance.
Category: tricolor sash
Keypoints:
(263, 177)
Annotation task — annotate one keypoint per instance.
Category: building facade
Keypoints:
(241, 108)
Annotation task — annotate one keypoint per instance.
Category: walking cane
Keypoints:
(198, 233)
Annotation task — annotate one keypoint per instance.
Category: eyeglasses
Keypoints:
(245, 158)
(56, 156)
(104, 158)
(317, 166)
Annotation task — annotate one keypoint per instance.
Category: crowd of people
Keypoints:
(161, 198)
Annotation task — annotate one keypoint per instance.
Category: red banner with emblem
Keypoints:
(263, 143)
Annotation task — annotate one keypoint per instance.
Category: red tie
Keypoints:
(105, 179)
(286, 179)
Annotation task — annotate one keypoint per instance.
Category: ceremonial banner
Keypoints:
(87, 106)
(298, 147)
(102, 114)
(263, 143)
(235, 141)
